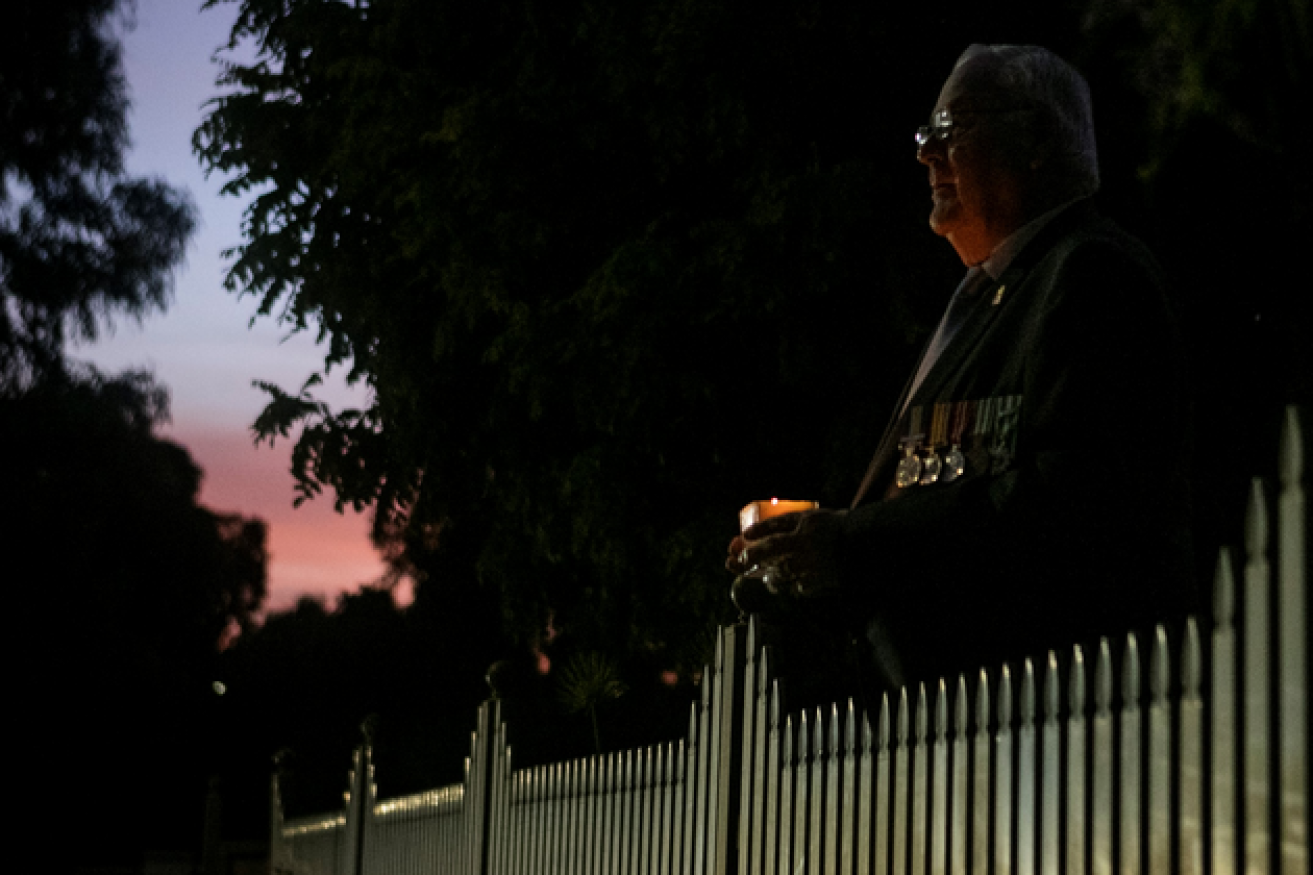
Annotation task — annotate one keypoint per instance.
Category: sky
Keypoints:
(204, 347)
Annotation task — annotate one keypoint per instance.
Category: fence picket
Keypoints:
(801, 797)
(1190, 853)
(959, 813)
(848, 805)
(1293, 536)
(1256, 756)
(1131, 842)
(819, 794)
(833, 767)
(1159, 844)
(1050, 771)
(902, 785)
(1101, 851)
(787, 770)
(939, 783)
(919, 750)
(980, 768)
(1077, 823)
(1222, 815)
(775, 782)
(750, 849)
(1003, 765)
(1027, 762)
(881, 809)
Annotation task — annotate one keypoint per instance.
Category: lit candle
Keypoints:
(756, 511)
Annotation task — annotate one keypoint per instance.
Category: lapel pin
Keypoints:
(998, 296)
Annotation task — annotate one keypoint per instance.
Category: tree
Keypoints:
(1222, 170)
(130, 590)
(80, 241)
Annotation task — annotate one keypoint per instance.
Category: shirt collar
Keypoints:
(1005, 252)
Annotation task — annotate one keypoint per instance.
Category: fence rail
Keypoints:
(1186, 752)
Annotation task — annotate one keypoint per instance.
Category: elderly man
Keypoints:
(1029, 491)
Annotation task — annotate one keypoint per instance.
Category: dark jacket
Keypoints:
(1072, 517)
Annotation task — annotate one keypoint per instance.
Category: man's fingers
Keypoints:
(763, 550)
(775, 525)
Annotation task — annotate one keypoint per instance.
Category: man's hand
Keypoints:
(804, 546)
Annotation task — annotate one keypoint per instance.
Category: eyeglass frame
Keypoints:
(939, 132)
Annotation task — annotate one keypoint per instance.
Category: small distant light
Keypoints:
(774, 501)
(219, 688)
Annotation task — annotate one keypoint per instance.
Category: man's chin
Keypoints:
(939, 225)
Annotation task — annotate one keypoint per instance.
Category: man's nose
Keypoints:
(930, 152)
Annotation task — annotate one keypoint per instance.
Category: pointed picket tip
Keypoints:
(751, 651)
(850, 727)
(1103, 677)
(982, 702)
(1191, 660)
(834, 728)
(775, 706)
(922, 714)
(884, 722)
(1224, 589)
(1131, 670)
(868, 735)
(804, 736)
(1052, 686)
(1027, 698)
(818, 734)
(693, 722)
(1159, 665)
(961, 707)
(904, 719)
(1291, 454)
(1004, 698)
(941, 710)
(1076, 681)
(763, 671)
(1256, 519)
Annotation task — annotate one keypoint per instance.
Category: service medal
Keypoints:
(933, 464)
(930, 468)
(955, 461)
(955, 464)
(909, 468)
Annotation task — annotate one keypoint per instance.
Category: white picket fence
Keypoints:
(1185, 753)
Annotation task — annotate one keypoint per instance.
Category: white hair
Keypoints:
(1062, 97)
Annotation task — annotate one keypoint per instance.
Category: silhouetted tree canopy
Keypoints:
(124, 589)
(80, 240)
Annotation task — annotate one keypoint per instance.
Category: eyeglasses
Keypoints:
(939, 130)
(942, 126)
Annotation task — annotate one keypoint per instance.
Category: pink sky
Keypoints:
(202, 349)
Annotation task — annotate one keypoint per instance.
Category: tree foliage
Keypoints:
(126, 589)
(80, 240)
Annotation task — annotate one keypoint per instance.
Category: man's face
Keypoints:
(978, 175)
